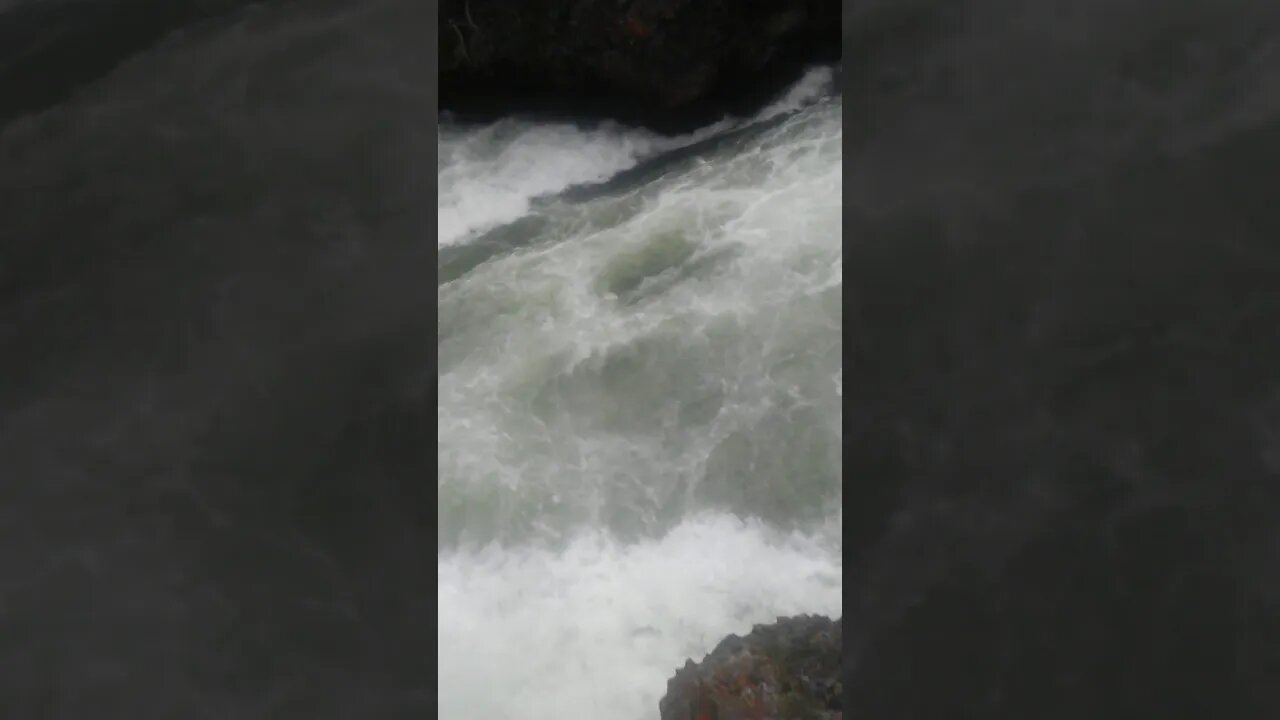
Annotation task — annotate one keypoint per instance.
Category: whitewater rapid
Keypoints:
(490, 175)
(639, 402)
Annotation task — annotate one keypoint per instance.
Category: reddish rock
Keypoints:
(789, 670)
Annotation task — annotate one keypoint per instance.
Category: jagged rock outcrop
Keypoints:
(663, 63)
(789, 670)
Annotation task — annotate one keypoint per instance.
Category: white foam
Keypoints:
(544, 448)
(490, 175)
(815, 83)
(759, 337)
(595, 630)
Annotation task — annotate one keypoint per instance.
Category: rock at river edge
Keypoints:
(663, 63)
(789, 670)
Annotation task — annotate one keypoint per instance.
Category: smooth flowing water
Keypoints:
(639, 400)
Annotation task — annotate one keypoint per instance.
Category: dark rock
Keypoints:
(668, 64)
(790, 669)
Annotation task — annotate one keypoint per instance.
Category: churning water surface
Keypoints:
(639, 400)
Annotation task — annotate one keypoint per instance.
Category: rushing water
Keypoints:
(639, 400)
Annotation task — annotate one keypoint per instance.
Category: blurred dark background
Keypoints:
(1063, 331)
(1062, 359)
(216, 369)
(50, 48)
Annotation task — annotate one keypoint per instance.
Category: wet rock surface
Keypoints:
(789, 669)
(669, 64)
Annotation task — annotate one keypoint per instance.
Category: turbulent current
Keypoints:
(639, 400)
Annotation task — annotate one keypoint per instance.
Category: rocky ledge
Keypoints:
(789, 670)
(667, 64)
